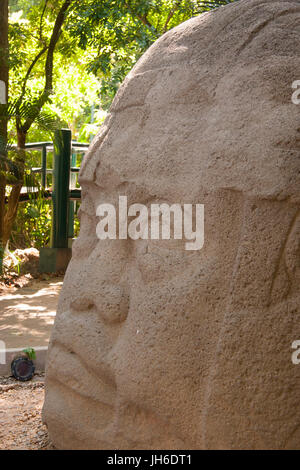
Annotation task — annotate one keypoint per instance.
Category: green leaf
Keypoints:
(30, 352)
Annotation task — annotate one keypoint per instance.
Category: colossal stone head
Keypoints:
(158, 347)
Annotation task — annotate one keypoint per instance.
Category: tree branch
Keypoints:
(142, 18)
(53, 41)
(49, 65)
(41, 20)
(23, 91)
(170, 15)
(145, 20)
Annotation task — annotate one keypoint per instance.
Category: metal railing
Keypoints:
(63, 196)
(45, 147)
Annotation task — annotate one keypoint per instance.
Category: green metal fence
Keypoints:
(63, 190)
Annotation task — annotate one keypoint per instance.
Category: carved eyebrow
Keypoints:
(100, 176)
(83, 211)
(87, 207)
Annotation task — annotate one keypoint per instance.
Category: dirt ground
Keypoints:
(27, 313)
(21, 426)
(27, 306)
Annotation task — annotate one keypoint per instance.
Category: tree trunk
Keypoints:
(4, 55)
(3, 123)
(13, 200)
(2, 214)
(7, 217)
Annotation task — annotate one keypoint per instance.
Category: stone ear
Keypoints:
(292, 253)
(261, 276)
(286, 279)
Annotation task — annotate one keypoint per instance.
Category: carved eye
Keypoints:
(162, 258)
(87, 240)
(86, 209)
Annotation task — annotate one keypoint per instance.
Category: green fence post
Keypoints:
(57, 257)
(71, 220)
(61, 182)
(44, 166)
(72, 203)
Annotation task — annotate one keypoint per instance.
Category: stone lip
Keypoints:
(11, 353)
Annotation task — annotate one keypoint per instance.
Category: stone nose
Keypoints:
(110, 301)
(81, 303)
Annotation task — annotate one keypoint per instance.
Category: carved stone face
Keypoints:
(158, 347)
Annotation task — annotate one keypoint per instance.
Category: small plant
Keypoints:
(30, 352)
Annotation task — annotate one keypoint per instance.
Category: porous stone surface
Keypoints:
(158, 347)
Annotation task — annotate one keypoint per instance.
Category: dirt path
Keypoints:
(21, 427)
(27, 314)
(26, 318)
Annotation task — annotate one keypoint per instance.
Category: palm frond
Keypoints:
(28, 110)
(49, 121)
(7, 164)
